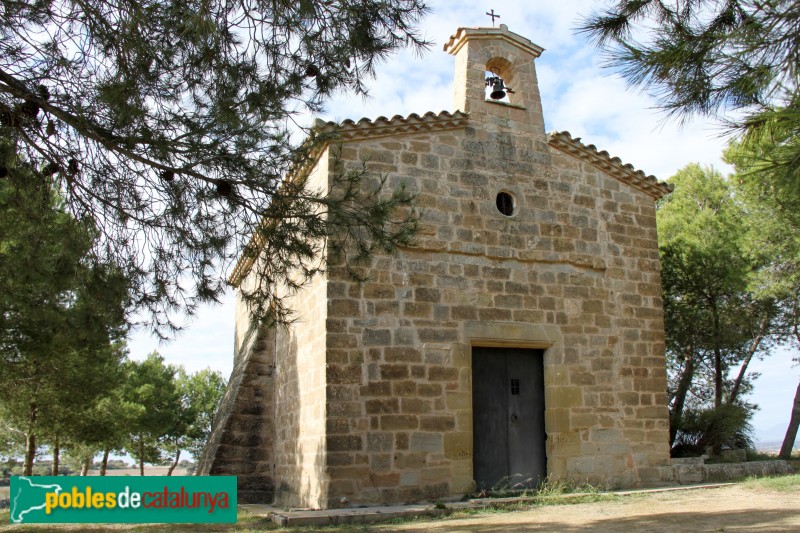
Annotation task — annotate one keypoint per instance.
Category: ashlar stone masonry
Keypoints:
(369, 397)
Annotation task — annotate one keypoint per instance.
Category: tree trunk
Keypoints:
(717, 449)
(104, 462)
(87, 463)
(56, 453)
(174, 463)
(30, 441)
(30, 453)
(684, 384)
(141, 455)
(791, 431)
(743, 370)
(717, 361)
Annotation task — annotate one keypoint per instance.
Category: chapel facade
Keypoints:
(520, 339)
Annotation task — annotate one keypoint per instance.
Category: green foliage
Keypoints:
(726, 426)
(714, 321)
(12, 440)
(60, 312)
(155, 404)
(773, 233)
(116, 464)
(774, 237)
(200, 394)
(736, 60)
(170, 127)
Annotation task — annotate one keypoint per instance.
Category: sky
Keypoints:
(578, 95)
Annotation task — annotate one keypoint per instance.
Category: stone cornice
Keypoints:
(397, 125)
(612, 166)
(462, 35)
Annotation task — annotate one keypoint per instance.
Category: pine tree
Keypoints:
(170, 125)
(736, 60)
(59, 313)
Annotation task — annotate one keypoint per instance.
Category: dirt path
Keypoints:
(732, 508)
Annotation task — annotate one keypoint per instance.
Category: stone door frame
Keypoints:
(547, 338)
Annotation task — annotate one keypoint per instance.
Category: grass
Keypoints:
(780, 483)
(553, 492)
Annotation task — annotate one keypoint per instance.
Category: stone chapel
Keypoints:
(522, 338)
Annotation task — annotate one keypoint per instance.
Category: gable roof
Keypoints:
(612, 166)
(398, 125)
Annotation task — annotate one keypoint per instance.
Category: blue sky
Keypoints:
(578, 96)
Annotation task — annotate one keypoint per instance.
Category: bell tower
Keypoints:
(483, 53)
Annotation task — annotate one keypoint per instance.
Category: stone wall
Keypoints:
(574, 271)
(300, 454)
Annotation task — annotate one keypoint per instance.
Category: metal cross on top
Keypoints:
(493, 16)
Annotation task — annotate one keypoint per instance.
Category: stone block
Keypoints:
(565, 397)
(380, 442)
(429, 389)
(458, 445)
(394, 372)
(376, 388)
(392, 354)
(393, 422)
(414, 406)
(344, 443)
(377, 337)
(440, 423)
(458, 400)
(409, 478)
(689, 474)
(410, 461)
(427, 295)
(442, 373)
(344, 308)
(404, 388)
(437, 334)
(426, 442)
(382, 406)
(389, 479)
(341, 374)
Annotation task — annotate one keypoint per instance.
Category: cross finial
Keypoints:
(493, 16)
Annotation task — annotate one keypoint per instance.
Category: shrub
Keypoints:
(726, 427)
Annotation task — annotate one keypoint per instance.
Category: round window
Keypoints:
(505, 203)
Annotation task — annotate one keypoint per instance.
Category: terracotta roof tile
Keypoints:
(397, 125)
(613, 166)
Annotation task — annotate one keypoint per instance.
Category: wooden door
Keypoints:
(508, 418)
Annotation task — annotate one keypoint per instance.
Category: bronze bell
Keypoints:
(499, 88)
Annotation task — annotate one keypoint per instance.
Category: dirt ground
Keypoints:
(731, 508)
(741, 507)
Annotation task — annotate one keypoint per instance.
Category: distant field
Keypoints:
(148, 471)
(3, 492)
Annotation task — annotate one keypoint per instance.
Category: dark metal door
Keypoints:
(508, 418)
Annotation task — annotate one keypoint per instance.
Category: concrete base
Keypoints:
(682, 472)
